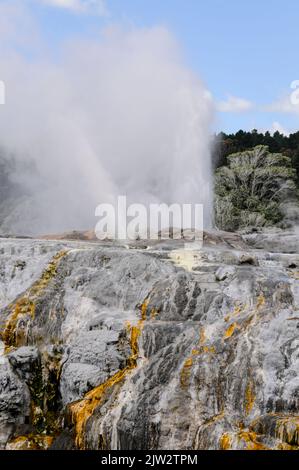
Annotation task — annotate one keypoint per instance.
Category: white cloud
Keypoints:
(283, 105)
(233, 104)
(276, 126)
(79, 6)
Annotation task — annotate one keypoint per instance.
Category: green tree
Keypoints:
(252, 188)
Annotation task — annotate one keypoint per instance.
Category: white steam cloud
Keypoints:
(116, 115)
(97, 7)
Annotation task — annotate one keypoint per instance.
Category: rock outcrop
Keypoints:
(106, 346)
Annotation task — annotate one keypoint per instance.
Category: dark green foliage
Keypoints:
(226, 144)
(252, 188)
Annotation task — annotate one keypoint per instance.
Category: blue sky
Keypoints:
(246, 52)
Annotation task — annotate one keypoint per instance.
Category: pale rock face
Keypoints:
(21, 265)
(117, 347)
(224, 272)
(14, 403)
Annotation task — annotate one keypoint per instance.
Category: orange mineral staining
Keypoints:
(83, 409)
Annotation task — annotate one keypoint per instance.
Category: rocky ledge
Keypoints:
(105, 346)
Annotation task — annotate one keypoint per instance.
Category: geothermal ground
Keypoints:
(105, 346)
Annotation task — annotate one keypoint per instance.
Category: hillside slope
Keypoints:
(125, 347)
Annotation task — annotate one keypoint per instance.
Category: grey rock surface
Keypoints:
(14, 403)
(150, 347)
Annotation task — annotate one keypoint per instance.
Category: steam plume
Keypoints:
(119, 114)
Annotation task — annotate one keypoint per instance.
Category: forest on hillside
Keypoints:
(227, 144)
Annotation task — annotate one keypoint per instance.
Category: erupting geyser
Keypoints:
(118, 115)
